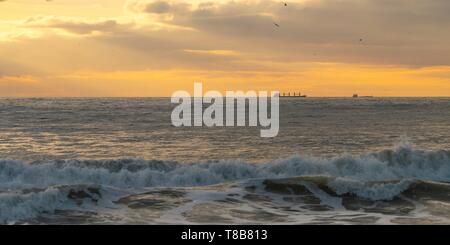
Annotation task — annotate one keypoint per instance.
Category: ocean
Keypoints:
(120, 161)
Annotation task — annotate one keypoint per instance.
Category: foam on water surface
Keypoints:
(280, 191)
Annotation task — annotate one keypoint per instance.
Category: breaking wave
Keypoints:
(402, 163)
(30, 189)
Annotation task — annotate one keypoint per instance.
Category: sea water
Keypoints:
(120, 161)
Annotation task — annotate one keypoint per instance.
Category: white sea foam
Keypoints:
(399, 164)
(377, 176)
(16, 205)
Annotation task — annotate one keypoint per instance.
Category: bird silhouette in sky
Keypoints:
(276, 24)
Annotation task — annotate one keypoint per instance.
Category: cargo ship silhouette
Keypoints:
(293, 95)
(357, 96)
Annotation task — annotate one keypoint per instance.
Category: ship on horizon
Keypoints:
(357, 96)
(293, 95)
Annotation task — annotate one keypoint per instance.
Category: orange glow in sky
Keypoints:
(152, 48)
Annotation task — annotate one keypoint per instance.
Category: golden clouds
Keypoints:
(146, 48)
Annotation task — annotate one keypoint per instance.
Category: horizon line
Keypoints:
(350, 97)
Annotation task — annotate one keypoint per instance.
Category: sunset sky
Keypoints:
(152, 48)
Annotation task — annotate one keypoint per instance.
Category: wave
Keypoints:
(403, 162)
(373, 191)
(30, 189)
(29, 203)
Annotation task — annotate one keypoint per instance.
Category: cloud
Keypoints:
(18, 79)
(76, 26)
(213, 52)
(403, 32)
(394, 32)
(158, 7)
(240, 35)
(230, 40)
